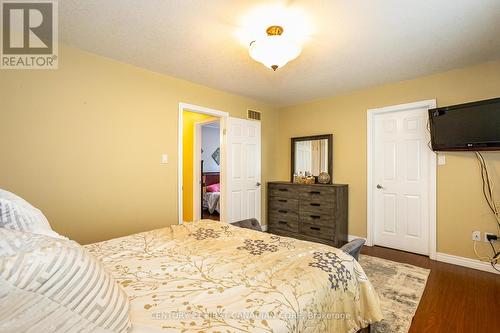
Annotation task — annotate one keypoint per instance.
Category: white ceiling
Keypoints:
(356, 43)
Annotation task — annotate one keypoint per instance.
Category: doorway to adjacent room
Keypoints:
(193, 164)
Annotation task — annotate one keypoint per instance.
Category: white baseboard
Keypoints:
(351, 237)
(465, 262)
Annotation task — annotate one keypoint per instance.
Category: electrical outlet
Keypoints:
(476, 235)
(486, 236)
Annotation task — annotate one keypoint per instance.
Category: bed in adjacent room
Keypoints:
(209, 276)
(210, 189)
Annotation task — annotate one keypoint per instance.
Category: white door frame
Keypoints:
(197, 165)
(223, 120)
(429, 104)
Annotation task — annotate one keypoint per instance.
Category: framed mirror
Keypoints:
(312, 155)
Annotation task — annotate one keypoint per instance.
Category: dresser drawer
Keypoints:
(316, 218)
(283, 203)
(287, 222)
(317, 231)
(317, 207)
(283, 191)
(281, 213)
(301, 236)
(318, 193)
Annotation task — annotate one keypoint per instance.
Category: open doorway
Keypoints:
(201, 163)
(207, 177)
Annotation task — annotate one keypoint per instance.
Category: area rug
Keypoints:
(399, 287)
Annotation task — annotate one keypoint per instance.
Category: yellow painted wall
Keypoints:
(460, 205)
(84, 142)
(189, 120)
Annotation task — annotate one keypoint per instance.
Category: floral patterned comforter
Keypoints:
(209, 276)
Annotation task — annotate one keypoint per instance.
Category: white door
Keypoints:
(401, 183)
(243, 170)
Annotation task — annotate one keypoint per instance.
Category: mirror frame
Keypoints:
(328, 137)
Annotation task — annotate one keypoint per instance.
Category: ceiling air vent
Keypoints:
(254, 115)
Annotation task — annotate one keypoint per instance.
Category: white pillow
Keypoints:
(55, 285)
(17, 214)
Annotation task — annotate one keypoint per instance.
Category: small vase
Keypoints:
(324, 178)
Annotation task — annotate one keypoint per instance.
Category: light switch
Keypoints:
(164, 158)
(441, 159)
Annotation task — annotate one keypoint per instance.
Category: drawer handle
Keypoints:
(282, 211)
(282, 200)
(283, 189)
(315, 204)
(282, 222)
(315, 228)
(315, 192)
(315, 216)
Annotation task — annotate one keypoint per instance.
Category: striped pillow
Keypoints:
(55, 285)
(17, 214)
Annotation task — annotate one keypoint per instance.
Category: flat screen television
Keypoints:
(471, 126)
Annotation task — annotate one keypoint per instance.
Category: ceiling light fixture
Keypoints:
(274, 50)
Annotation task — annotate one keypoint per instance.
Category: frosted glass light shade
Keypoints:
(274, 51)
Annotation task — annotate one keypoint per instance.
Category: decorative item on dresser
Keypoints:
(313, 212)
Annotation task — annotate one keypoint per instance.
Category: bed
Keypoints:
(209, 276)
(211, 202)
(210, 189)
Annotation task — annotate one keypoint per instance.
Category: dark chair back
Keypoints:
(353, 247)
(248, 224)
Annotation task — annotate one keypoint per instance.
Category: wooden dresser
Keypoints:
(316, 213)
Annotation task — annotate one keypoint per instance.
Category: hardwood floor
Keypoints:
(206, 215)
(456, 299)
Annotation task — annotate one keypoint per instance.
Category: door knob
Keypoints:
(379, 186)
(258, 184)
